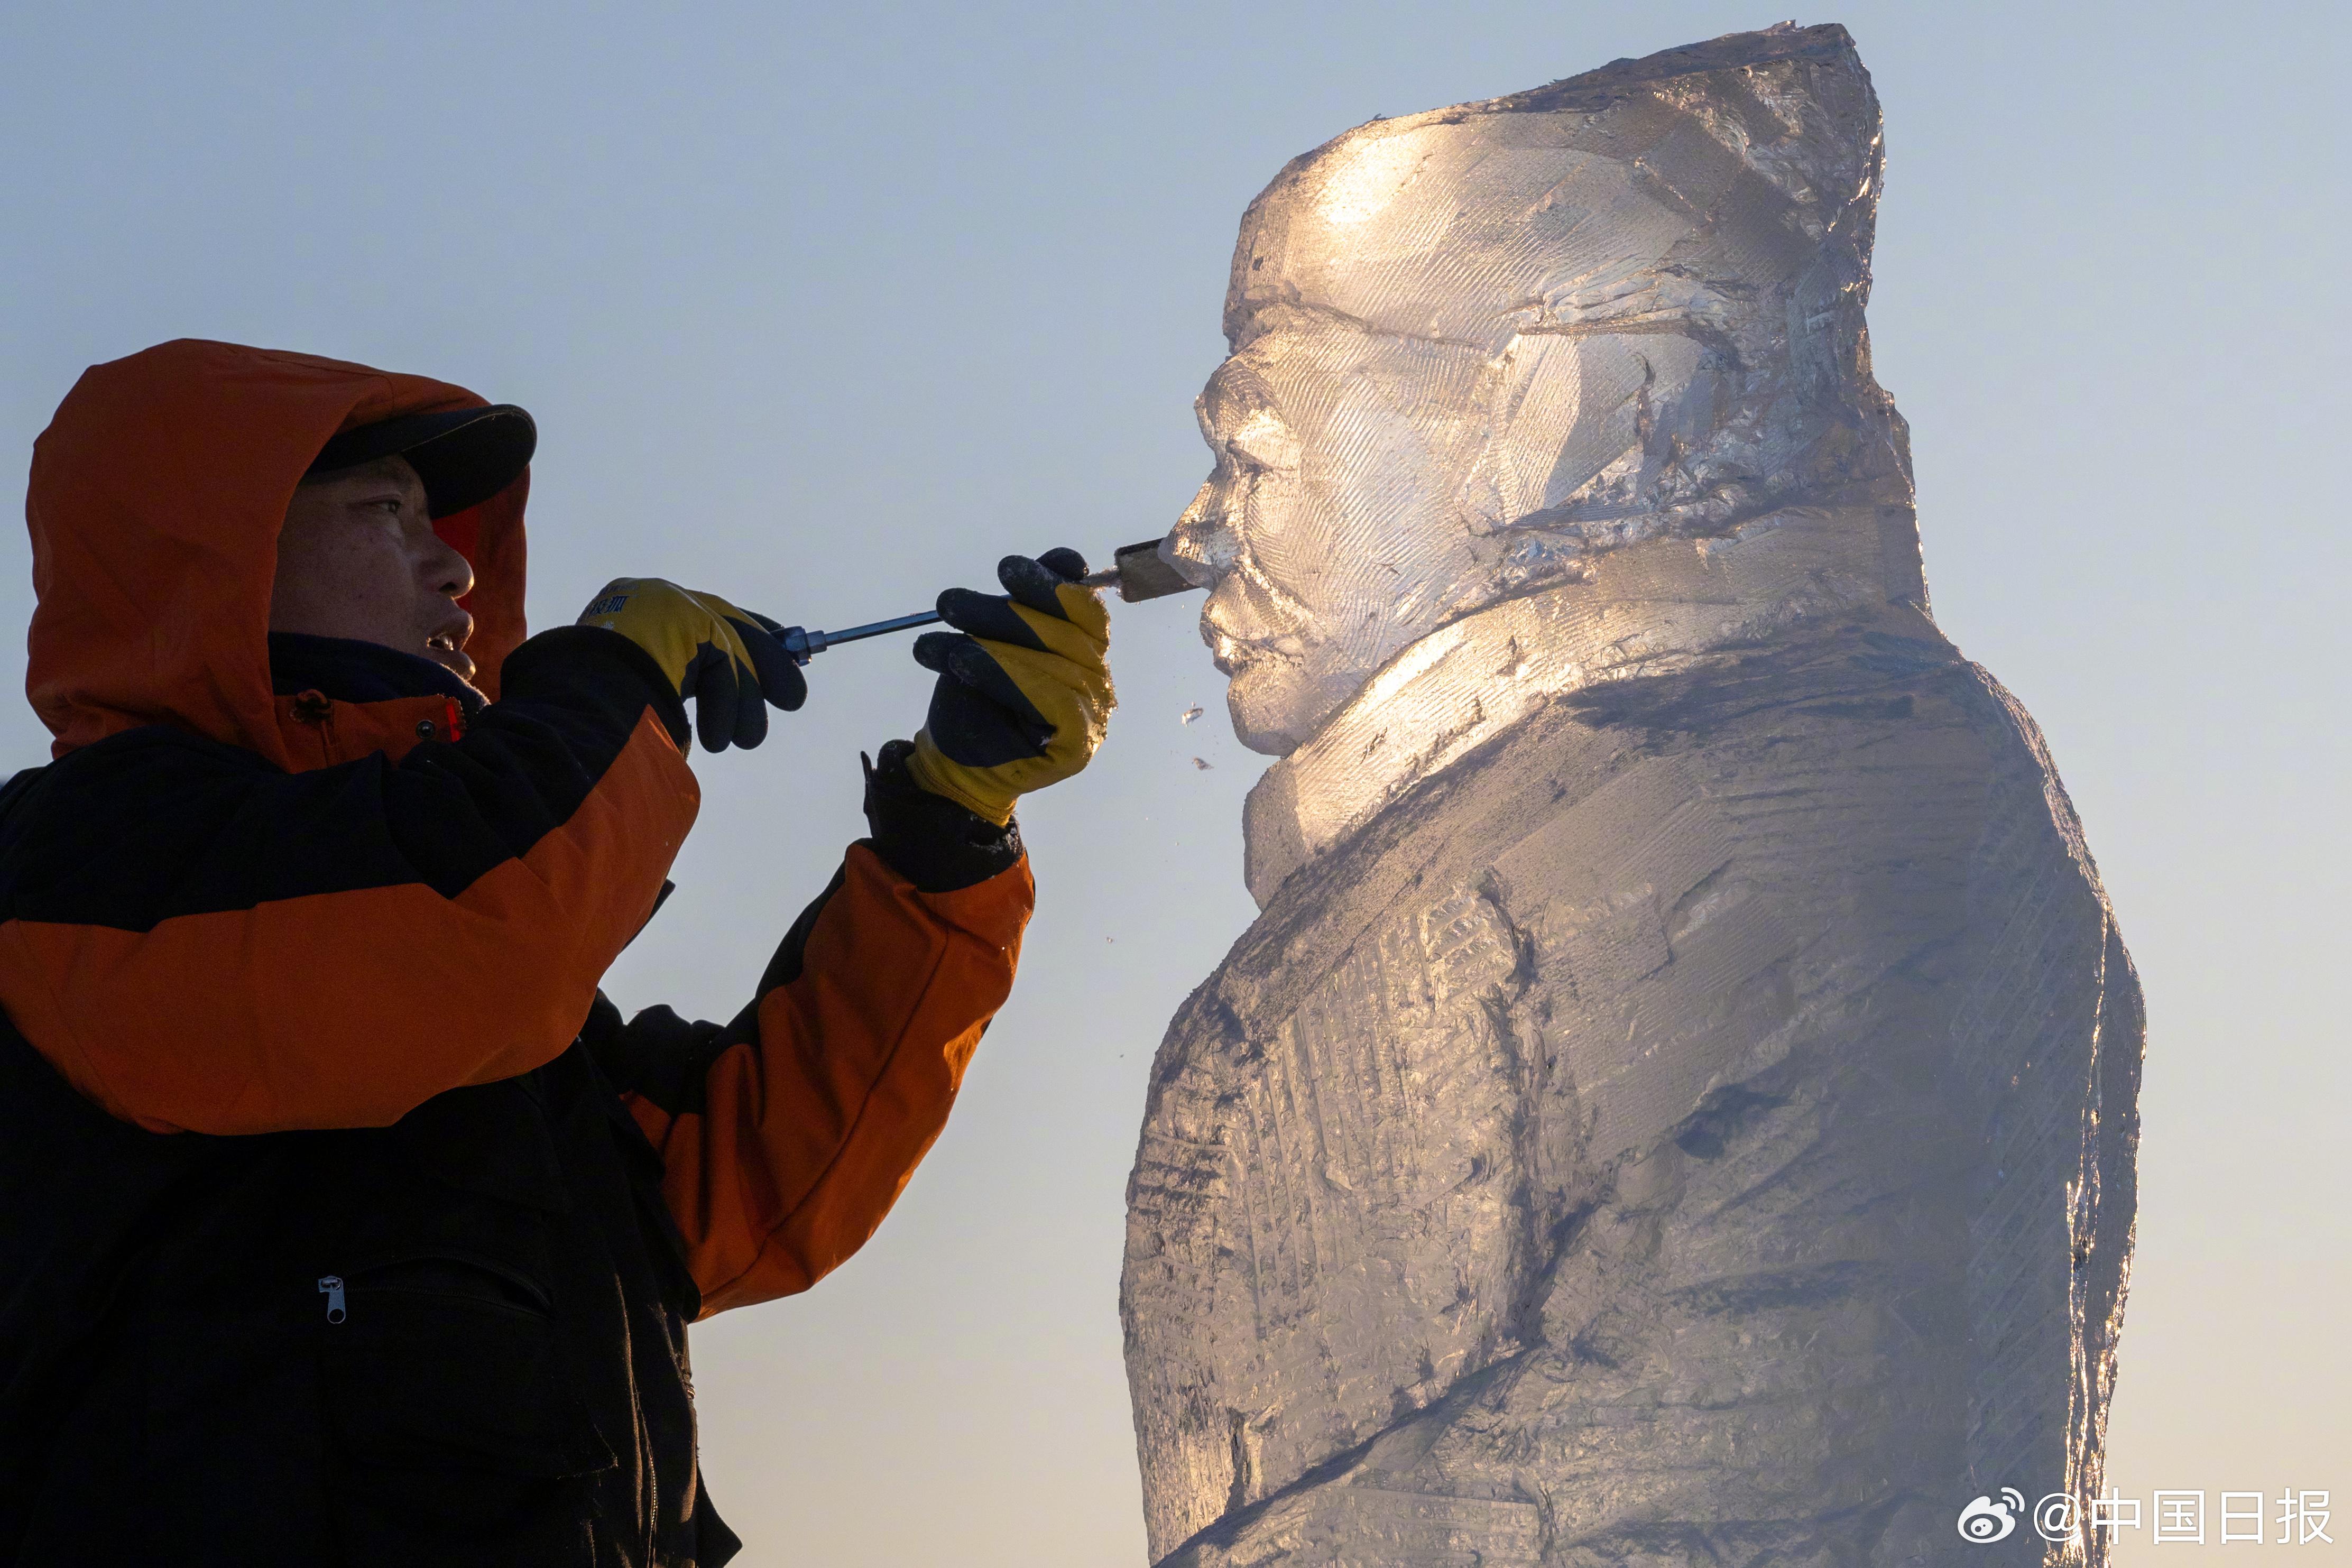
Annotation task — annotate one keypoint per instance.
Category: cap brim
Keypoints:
(465, 455)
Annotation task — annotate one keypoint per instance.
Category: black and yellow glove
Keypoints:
(1023, 697)
(727, 660)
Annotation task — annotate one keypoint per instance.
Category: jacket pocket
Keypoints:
(453, 1431)
(414, 1284)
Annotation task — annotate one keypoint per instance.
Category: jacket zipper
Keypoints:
(334, 1289)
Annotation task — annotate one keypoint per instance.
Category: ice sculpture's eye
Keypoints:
(1263, 441)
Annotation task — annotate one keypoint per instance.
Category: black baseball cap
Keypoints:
(465, 455)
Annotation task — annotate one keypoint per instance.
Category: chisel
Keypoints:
(1136, 571)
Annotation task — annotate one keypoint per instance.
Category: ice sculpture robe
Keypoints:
(1696, 1126)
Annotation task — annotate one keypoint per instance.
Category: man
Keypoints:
(346, 1220)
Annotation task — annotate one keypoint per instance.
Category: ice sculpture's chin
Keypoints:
(1261, 712)
(1279, 701)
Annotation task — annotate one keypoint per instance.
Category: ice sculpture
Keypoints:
(1677, 1104)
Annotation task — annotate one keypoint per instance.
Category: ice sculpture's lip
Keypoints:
(1280, 636)
(1233, 657)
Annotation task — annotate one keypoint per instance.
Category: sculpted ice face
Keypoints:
(1475, 348)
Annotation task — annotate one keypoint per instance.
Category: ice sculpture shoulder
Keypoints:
(1677, 1100)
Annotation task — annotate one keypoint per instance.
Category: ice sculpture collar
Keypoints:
(1647, 609)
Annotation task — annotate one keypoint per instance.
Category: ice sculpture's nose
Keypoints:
(1202, 546)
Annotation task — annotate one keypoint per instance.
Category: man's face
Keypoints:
(357, 558)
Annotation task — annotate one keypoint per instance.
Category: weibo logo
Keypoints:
(1985, 1521)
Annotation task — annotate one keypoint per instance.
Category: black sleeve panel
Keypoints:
(662, 1057)
(928, 840)
(785, 966)
(155, 823)
(656, 1054)
(934, 843)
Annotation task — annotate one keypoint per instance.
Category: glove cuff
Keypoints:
(603, 661)
(927, 772)
(932, 841)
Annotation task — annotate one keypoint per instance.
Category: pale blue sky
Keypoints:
(825, 310)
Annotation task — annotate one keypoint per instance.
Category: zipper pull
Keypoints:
(332, 1284)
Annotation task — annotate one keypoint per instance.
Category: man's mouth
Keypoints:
(447, 647)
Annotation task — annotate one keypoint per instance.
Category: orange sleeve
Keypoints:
(200, 941)
(805, 1125)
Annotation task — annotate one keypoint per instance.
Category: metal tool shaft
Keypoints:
(875, 629)
(1136, 572)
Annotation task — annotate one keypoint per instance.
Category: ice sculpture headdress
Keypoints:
(1477, 349)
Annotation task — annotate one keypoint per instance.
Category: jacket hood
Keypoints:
(154, 504)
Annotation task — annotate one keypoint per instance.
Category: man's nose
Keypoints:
(447, 572)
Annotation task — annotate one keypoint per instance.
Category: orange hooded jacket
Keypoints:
(233, 907)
